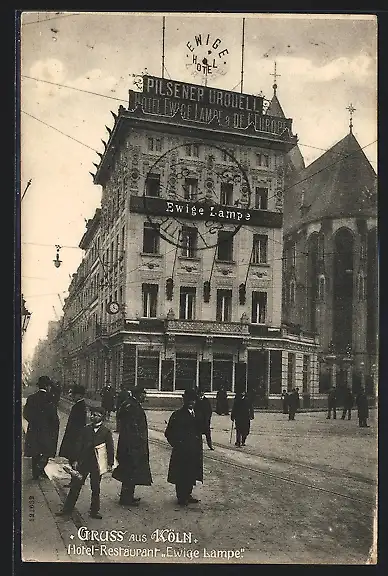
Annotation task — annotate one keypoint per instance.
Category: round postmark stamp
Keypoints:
(197, 196)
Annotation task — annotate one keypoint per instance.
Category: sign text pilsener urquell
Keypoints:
(163, 97)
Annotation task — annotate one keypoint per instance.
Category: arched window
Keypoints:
(321, 287)
(321, 246)
(343, 289)
(361, 286)
(312, 275)
(292, 292)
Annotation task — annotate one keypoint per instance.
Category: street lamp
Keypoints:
(26, 316)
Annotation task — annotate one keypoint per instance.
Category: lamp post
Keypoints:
(26, 316)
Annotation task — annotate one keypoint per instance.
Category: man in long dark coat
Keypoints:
(203, 411)
(107, 400)
(132, 452)
(242, 414)
(222, 405)
(92, 435)
(75, 424)
(362, 408)
(293, 403)
(121, 397)
(43, 424)
(332, 403)
(183, 433)
(347, 403)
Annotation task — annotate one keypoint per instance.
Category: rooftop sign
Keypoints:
(203, 104)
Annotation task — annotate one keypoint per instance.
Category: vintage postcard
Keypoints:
(199, 287)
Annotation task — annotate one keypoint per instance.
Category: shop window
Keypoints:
(148, 369)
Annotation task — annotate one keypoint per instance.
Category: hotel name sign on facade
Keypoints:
(203, 104)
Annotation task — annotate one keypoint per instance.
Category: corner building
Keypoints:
(189, 244)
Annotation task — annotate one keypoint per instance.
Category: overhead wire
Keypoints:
(122, 100)
(53, 18)
(60, 131)
(74, 88)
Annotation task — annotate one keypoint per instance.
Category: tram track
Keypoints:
(329, 470)
(256, 470)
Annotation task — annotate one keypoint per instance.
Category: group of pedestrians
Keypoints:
(344, 397)
(183, 432)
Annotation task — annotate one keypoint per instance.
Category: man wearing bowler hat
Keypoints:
(91, 436)
(183, 433)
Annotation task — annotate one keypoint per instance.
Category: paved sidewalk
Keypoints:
(43, 538)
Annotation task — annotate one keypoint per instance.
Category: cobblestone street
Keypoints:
(300, 492)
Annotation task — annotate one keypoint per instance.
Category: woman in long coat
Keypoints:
(132, 452)
(183, 433)
(242, 414)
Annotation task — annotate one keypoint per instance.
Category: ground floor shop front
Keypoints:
(167, 364)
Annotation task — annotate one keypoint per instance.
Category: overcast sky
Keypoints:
(325, 63)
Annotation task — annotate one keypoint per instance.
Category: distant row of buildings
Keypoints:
(217, 258)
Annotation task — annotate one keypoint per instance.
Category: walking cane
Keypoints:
(231, 432)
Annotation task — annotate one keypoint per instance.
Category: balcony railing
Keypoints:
(207, 327)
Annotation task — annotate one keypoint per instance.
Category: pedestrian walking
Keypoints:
(332, 403)
(242, 414)
(107, 400)
(183, 433)
(293, 403)
(284, 399)
(43, 425)
(122, 396)
(92, 435)
(132, 452)
(362, 408)
(75, 424)
(222, 405)
(203, 411)
(347, 403)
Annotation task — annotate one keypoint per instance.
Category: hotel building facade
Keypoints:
(181, 280)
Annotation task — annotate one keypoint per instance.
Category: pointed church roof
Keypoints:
(339, 184)
(274, 108)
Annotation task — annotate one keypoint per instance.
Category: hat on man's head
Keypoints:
(190, 395)
(78, 389)
(96, 410)
(44, 381)
(137, 391)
